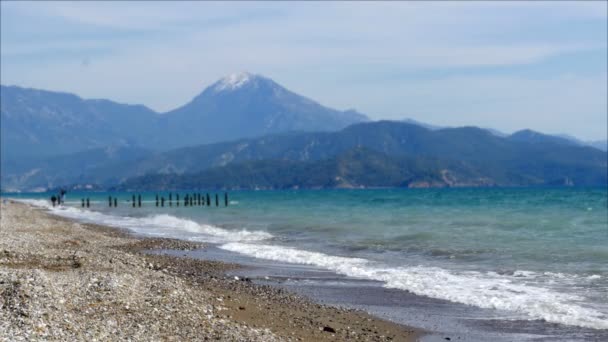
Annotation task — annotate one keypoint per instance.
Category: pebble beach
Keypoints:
(68, 281)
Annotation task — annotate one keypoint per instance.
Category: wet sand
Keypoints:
(443, 320)
(64, 280)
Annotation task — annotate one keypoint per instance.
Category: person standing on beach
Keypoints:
(53, 199)
(62, 196)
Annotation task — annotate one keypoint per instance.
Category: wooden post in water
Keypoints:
(208, 200)
(88, 202)
(186, 201)
(115, 202)
(199, 199)
(133, 201)
(170, 199)
(162, 201)
(83, 202)
(217, 201)
(225, 199)
(139, 200)
(192, 201)
(110, 201)
(157, 200)
(177, 199)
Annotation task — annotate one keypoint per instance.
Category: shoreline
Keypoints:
(177, 297)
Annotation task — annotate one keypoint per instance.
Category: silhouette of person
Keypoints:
(53, 200)
(62, 196)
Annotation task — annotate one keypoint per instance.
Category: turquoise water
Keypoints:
(527, 253)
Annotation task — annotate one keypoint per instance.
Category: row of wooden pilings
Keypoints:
(189, 200)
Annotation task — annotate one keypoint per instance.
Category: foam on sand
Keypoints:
(485, 290)
(162, 224)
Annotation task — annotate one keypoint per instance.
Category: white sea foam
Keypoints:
(514, 293)
(552, 276)
(485, 290)
(165, 220)
(36, 202)
(157, 224)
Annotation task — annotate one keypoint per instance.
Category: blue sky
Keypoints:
(504, 65)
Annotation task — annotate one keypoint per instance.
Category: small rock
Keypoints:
(329, 329)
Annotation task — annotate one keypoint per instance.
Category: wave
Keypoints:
(514, 291)
(36, 202)
(485, 290)
(161, 224)
(164, 220)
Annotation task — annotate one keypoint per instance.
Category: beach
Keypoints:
(66, 280)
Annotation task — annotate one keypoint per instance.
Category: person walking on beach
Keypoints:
(53, 199)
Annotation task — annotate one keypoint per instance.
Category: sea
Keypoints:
(479, 264)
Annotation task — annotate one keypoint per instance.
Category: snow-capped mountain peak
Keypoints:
(234, 81)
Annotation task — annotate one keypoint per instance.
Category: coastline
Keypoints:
(62, 279)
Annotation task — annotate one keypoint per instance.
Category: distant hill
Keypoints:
(392, 138)
(533, 137)
(486, 158)
(599, 144)
(86, 167)
(39, 123)
(355, 168)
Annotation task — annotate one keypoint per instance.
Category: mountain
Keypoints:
(248, 105)
(94, 166)
(503, 161)
(599, 144)
(530, 136)
(51, 139)
(38, 123)
(533, 136)
(422, 124)
(355, 168)
(487, 159)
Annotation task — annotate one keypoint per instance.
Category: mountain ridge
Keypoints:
(246, 117)
(358, 167)
(499, 161)
(43, 123)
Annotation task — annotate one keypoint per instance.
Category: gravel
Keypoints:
(63, 280)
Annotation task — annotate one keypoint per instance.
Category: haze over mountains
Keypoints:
(38, 123)
(247, 131)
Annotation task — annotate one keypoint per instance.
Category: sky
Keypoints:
(495, 64)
